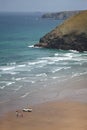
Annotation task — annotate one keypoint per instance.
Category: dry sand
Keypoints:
(49, 116)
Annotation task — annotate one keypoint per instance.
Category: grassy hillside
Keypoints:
(76, 24)
(72, 34)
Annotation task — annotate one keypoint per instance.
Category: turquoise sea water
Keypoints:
(31, 75)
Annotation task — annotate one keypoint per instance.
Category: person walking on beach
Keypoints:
(16, 113)
(19, 114)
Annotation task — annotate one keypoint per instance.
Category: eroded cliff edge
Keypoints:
(72, 34)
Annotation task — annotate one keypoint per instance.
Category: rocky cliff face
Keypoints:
(60, 15)
(72, 34)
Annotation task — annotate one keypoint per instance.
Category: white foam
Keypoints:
(18, 88)
(56, 54)
(60, 68)
(14, 73)
(51, 62)
(65, 68)
(37, 62)
(31, 46)
(17, 79)
(2, 87)
(37, 47)
(12, 63)
(9, 83)
(74, 51)
(32, 82)
(78, 74)
(56, 59)
(25, 95)
(21, 65)
(57, 69)
(85, 51)
(54, 77)
(40, 66)
(75, 74)
(70, 55)
(42, 74)
(6, 68)
(64, 63)
(28, 80)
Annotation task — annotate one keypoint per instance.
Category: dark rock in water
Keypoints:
(72, 34)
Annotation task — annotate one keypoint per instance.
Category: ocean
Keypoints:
(31, 75)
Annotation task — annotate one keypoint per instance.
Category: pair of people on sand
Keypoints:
(19, 114)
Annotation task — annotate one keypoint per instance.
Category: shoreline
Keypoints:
(63, 115)
(73, 90)
(66, 110)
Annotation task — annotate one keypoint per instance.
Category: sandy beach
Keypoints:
(48, 116)
(68, 113)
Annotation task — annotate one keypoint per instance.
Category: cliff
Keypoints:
(72, 34)
(60, 15)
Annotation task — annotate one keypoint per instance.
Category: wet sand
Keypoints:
(49, 116)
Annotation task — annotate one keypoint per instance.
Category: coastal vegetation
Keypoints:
(72, 34)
